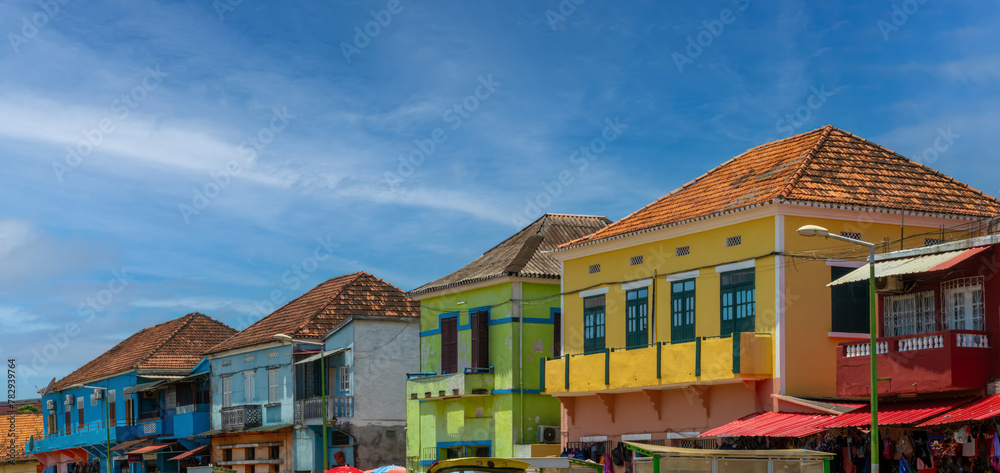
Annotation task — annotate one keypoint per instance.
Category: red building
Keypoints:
(938, 322)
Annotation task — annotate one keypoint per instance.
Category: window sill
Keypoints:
(849, 335)
(272, 404)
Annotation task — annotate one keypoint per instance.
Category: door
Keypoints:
(637, 318)
(682, 314)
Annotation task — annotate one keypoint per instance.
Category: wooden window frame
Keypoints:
(683, 310)
(738, 301)
(637, 318)
(594, 323)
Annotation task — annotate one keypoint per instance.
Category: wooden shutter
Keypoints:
(481, 339)
(111, 406)
(449, 345)
(79, 407)
(69, 421)
(129, 418)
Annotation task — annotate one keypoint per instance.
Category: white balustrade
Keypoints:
(921, 342)
(971, 340)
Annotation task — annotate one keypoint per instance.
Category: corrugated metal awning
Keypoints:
(919, 264)
(771, 424)
(320, 354)
(151, 448)
(142, 387)
(979, 410)
(202, 450)
(896, 413)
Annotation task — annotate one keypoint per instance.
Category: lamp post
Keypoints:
(107, 418)
(814, 230)
(322, 368)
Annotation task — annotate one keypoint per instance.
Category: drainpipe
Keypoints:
(652, 307)
(517, 293)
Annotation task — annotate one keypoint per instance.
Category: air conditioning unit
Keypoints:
(149, 395)
(69, 400)
(888, 284)
(98, 394)
(50, 405)
(548, 434)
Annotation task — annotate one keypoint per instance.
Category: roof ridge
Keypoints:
(356, 275)
(190, 317)
(809, 156)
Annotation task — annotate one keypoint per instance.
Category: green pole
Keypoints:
(107, 426)
(326, 445)
(871, 356)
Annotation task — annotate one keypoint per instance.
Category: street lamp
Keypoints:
(107, 417)
(322, 373)
(814, 230)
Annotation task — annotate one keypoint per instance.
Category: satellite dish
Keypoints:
(48, 387)
(31, 443)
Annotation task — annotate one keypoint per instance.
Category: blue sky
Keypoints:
(164, 157)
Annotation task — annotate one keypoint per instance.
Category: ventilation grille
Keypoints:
(683, 250)
(227, 363)
(594, 268)
(933, 241)
(273, 354)
(248, 358)
(635, 260)
(851, 235)
(734, 240)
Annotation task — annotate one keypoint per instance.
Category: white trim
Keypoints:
(844, 264)
(633, 437)
(562, 303)
(594, 438)
(637, 284)
(779, 300)
(684, 275)
(682, 435)
(594, 292)
(849, 335)
(750, 263)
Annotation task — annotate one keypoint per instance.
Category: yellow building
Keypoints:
(23, 426)
(706, 305)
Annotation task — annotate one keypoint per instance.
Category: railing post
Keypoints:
(566, 376)
(659, 360)
(737, 336)
(697, 356)
(541, 375)
(607, 366)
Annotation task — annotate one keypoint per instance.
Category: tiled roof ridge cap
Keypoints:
(588, 238)
(352, 278)
(809, 155)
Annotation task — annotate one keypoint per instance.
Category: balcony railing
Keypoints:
(470, 382)
(744, 355)
(933, 361)
(241, 417)
(310, 411)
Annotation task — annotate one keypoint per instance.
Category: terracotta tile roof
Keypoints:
(521, 254)
(173, 346)
(313, 314)
(823, 166)
(25, 425)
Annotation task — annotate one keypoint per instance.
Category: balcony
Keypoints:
(471, 382)
(191, 419)
(241, 417)
(742, 356)
(310, 411)
(933, 361)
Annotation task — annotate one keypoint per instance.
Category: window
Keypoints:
(449, 345)
(738, 301)
(849, 304)
(480, 321)
(248, 387)
(275, 452)
(272, 385)
(682, 310)
(344, 377)
(593, 324)
(637, 318)
(52, 423)
(963, 303)
(909, 314)
(557, 333)
(79, 408)
(69, 419)
(227, 391)
(93, 399)
(111, 407)
(171, 397)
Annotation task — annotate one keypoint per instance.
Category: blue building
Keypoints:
(147, 397)
(267, 391)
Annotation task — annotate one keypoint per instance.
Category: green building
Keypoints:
(484, 331)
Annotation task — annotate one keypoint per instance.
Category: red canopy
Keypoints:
(980, 410)
(895, 413)
(151, 448)
(770, 424)
(198, 451)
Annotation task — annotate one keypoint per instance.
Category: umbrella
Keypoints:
(344, 469)
(387, 469)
